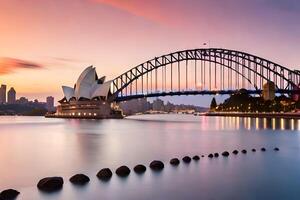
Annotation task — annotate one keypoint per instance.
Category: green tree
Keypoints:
(213, 104)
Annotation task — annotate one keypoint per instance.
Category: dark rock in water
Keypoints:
(186, 159)
(225, 153)
(174, 161)
(104, 174)
(156, 165)
(235, 152)
(263, 149)
(50, 184)
(244, 151)
(253, 150)
(139, 169)
(216, 155)
(79, 179)
(276, 149)
(210, 155)
(196, 157)
(9, 194)
(123, 171)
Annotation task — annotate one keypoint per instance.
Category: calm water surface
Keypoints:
(35, 147)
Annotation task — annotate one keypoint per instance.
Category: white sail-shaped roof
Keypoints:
(87, 86)
(101, 90)
(68, 92)
(85, 82)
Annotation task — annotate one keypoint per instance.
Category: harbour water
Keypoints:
(35, 147)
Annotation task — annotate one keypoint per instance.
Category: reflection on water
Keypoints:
(221, 123)
(35, 147)
(257, 123)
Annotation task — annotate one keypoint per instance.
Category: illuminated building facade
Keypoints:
(268, 91)
(87, 99)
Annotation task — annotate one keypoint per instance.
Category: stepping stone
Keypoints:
(225, 154)
(139, 169)
(235, 152)
(104, 174)
(156, 165)
(174, 161)
(50, 184)
(123, 171)
(276, 149)
(9, 194)
(186, 159)
(79, 179)
(196, 158)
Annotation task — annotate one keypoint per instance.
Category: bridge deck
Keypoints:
(193, 92)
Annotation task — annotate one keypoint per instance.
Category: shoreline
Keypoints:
(255, 115)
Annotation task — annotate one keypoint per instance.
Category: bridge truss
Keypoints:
(203, 71)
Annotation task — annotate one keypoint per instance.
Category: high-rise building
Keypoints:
(268, 91)
(11, 96)
(50, 103)
(3, 94)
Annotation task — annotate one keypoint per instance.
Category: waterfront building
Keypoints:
(11, 96)
(89, 98)
(50, 103)
(135, 106)
(3, 94)
(158, 105)
(268, 92)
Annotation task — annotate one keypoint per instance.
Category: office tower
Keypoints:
(50, 103)
(11, 96)
(3, 94)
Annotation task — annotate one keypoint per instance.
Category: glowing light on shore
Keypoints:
(249, 123)
(292, 124)
(282, 123)
(222, 123)
(265, 123)
(273, 124)
(237, 123)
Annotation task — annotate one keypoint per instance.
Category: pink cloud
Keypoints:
(155, 11)
(9, 65)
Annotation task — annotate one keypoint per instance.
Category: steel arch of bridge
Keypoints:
(220, 71)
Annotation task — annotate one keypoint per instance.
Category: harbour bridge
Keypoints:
(206, 71)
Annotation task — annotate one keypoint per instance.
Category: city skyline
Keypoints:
(84, 28)
(10, 96)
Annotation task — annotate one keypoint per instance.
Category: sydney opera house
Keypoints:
(87, 99)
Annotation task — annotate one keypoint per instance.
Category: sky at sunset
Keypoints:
(46, 44)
